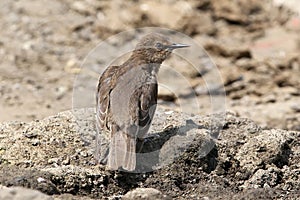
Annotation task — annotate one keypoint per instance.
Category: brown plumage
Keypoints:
(126, 100)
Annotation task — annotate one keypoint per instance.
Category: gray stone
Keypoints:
(145, 194)
(19, 193)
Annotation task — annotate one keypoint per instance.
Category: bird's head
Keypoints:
(155, 48)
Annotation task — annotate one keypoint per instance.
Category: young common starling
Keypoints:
(126, 99)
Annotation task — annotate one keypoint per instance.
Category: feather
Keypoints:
(122, 152)
(126, 100)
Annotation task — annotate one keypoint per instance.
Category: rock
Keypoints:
(274, 150)
(293, 123)
(29, 178)
(162, 14)
(229, 11)
(145, 194)
(238, 12)
(82, 7)
(19, 193)
(271, 98)
(60, 92)
(264, 179)
(165, 94)
(296, 107)
(191, 25)
(77, 179)
(254, 45)
(237, 52)
(180, 152)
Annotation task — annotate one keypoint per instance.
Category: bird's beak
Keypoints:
(177, 46)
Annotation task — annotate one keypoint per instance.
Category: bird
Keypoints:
(126, 100)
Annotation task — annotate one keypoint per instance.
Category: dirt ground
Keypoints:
(254, 44)
(246, 162)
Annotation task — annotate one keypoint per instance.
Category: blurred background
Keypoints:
(254, 43)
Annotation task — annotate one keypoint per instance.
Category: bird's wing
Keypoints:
(105, 86)
(144, 111)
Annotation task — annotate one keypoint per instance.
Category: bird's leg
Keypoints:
(140, 144)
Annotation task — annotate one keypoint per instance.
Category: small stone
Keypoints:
(41, 180)
(61, 92)
(145, 194)
(66, 161)
(82, 8)
(53, 161)
(270, 98)
(83, 154)
(35, 142)
(296, 107)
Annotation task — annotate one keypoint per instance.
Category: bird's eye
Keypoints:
(159, 45)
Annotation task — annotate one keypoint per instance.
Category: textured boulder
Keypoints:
(183, 157)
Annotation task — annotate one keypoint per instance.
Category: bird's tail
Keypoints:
(122, 152)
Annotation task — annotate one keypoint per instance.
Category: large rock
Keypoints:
(183, 157)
